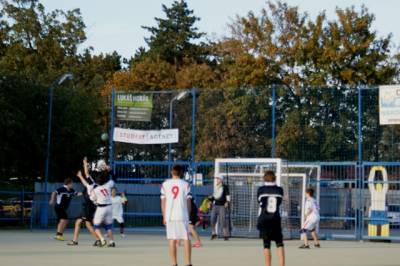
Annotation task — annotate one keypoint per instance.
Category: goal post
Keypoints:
(245, 175)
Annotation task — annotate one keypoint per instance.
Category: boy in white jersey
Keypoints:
(176, 206)
(100, 194)
(118, 209)
(311, 220)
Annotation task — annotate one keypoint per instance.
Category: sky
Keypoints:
(115, 25)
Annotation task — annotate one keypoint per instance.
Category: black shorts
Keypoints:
(61, 213)
(87, 212)
(275, 236)
(194, 218)
(270, 230)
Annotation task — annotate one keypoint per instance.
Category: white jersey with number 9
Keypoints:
(176, 192)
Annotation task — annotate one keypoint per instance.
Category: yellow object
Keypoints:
(59, 238)
(385, 230)
(372, 230)
(205, 205)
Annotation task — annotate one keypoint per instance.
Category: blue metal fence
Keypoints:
(344, 193)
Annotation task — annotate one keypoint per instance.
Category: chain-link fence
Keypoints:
(336, 130)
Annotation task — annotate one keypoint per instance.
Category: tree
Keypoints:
(36, 47)
(313, 63)
(23, 112)
(173, 39)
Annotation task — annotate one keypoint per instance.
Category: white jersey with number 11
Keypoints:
(101, 195)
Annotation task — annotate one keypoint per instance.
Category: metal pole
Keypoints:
(66, 76)
(273, 141)
(193, 154)
(360, 125)
(170, 126)
(111, 134)
(359, 213)
(193, 146)
(45, 214)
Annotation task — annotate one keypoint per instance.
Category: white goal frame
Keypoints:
(282, 170)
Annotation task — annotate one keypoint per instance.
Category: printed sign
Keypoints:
(133, 136)
(134, 107)
(389, 105)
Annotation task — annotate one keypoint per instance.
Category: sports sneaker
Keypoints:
(226, 238)
(59, 238)
(123, 236)
(111, 244)
(96, 243)
(102, 243)
(317, 245)
(304, 247)
(213, 237)
(197, 245)
(72, 243)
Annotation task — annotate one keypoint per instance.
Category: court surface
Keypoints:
(37, 248)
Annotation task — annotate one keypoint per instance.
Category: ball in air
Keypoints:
(104, 137)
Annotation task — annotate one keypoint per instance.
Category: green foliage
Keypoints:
(23, 115)
(314, 64)
(36, 47)
(172, 40)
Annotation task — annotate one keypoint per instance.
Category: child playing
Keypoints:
(176, 207)
(118, 209)
(61, 199)
(311, 220)
(269, 220)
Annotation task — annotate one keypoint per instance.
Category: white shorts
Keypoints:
(178, 230)
(103, 215)
(311, 223)
(119, 219)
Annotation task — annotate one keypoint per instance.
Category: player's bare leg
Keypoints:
(315, 238)
(77, 230)
(267, 256)
(100, 236)
(61, 226)
(195, 235)
(90, 228)
(187, 251)
(281, 255)
(110, 238)
(172, 252)
(304, 237)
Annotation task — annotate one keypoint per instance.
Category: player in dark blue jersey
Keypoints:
(269, 220)
(87, 213)
(61, 199)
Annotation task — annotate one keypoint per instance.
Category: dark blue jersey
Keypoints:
(64, 197)
(269, 198)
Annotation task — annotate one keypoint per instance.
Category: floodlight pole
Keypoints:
(273, 137)
(171, 103)
(179, 97)
(360, 168)
(58, 82)
(193, 154)
(111, 134)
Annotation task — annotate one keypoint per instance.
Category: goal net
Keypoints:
(245, 176)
